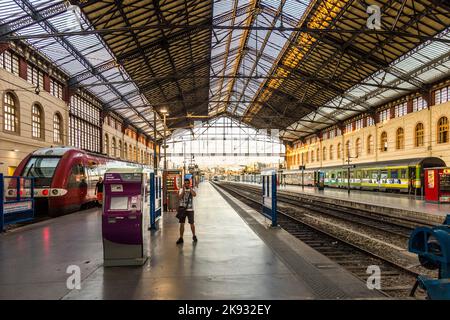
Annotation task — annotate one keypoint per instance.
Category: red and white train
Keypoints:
(65, 177)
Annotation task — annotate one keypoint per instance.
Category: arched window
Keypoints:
(369, 144)
(318, 154)
(114, 147)
(106, 148)
(347, 150)
(384, 142)
(419, 134)
(307, 157)
(57, 128)
(443, 130)
(125, 151)
(358, 148)
(37, 122)
(331, 152)
(312, 156)
(134, 154)
(10, 113)
(400, 139)
(120, 155)
(130, 153)
(339, 151)
(324, 154)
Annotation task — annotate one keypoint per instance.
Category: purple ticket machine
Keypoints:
(126, 210)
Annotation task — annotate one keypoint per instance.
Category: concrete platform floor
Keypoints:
(229, 261)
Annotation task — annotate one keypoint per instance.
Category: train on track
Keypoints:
(406, 175)
(65, 177)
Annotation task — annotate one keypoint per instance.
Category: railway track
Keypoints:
(364, 218)
(396, 280)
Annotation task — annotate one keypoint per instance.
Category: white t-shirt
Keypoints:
(187, 201)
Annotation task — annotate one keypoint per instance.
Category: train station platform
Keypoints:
(236, 257)
(403, 205)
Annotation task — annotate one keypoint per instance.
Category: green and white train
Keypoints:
(404, 175)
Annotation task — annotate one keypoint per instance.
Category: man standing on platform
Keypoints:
(187, 205)
(99, 191)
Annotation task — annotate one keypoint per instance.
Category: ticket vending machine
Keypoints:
(126, 208)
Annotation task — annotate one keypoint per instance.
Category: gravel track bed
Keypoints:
(381, 243)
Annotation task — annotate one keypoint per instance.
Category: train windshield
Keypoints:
(42, 169)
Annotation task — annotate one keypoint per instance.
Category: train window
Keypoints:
(76, 176)
(403, 174)
(394, 174)
(384, 174)
(42, 169)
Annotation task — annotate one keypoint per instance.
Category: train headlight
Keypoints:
(45, 192)
(10, 192)
(55, 192)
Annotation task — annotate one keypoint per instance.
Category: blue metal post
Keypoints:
(2, 199)
(263, 190)
(152, 201)
(274, 200)
(32, 194)
(18, 189)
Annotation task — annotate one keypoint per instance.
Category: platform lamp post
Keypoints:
(348, 171)
(302, 167)
(165, 113)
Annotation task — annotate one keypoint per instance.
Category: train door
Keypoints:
(92, 177)
(320, 180)
(338, 179)
(416, 180)
(77, 186)
(377, 175)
